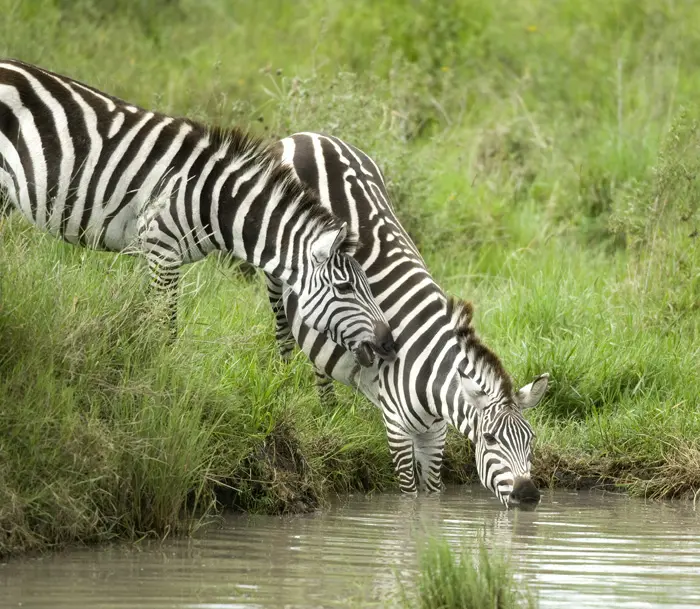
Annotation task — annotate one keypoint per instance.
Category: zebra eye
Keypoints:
(490, 438)
(344, 288)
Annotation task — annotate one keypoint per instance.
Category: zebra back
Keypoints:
(104, 173)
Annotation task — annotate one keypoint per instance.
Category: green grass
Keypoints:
(545, 158)
(108, 431)
(466, 580)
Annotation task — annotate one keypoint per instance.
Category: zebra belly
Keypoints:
(122, 232)
(63, 220)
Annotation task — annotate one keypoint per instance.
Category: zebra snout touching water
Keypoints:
(443, 373)
(503, 440)
(524, 494)
(102, 173)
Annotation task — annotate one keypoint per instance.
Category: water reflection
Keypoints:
(577, 550)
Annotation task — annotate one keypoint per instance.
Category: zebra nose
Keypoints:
(524, 494)
(384, 345)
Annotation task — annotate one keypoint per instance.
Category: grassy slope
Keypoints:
(531, 154)
(106, 430)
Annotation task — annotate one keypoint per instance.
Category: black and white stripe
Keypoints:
(443, 373)
(105, 174)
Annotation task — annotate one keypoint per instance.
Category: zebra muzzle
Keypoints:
(384, 345)
(524, 495)
(364, 355)
(381, 345)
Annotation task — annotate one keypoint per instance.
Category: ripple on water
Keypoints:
(577, 550)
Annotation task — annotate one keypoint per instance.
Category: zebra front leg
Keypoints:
(286, 342)
(283, 332)
(429, 447)
(325, 389)
(165, 274)
(401, 449)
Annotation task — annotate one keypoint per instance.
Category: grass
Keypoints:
(544, 156)
(449, 579)
(108, 431)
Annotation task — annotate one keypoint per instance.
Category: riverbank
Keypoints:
(538, 154)
(108, 432)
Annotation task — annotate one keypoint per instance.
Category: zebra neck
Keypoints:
(485, 369)
(453, 400)
(465, 420)
(452, 404)
(270, 222)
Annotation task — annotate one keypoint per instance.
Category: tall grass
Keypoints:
(107, 430)
(542, 155)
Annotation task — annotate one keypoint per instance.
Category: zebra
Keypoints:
(443, 373)
(105, 174)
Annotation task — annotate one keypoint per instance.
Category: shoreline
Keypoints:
(289, 502)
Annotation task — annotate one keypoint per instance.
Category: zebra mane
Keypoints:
(461, 313)
(239, 143)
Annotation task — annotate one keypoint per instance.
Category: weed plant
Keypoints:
(452, 579)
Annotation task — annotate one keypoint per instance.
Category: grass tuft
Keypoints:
(467, 580)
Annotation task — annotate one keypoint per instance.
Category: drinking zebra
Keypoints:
(103, 173)
(443, 373)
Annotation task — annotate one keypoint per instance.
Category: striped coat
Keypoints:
(443, 373)
(103, 173)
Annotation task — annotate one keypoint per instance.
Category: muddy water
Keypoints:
(577, 550)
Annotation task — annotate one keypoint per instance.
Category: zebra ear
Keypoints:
(327, 243)
(475, 394)
(530, 395)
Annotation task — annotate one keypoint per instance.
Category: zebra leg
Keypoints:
(283, 332)
(428, 449)
(326, 391)
(286, 342)
(164, 269)
(401, 449)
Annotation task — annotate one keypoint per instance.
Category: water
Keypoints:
(578, 550)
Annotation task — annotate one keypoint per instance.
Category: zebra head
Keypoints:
(336, 299)
(503, 439)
